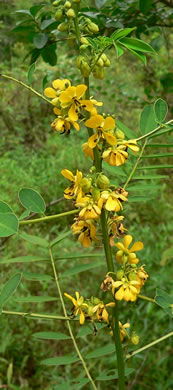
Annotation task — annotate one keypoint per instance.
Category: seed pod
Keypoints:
(84, 41)
(67, 4)
(63, 27)
(70, 13)
(95, 193)
(119, 274)
(59, 14)
(93, 27)
(99, 73)
(119, 134)
(85, 68)
(103, 182)
(134, 338)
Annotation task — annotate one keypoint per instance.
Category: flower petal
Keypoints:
(94, 122)
(68, 174)
(137, 246)
(80, 90)
(127, 240)
(110, 138)
(72, 113)
(92, 141)
(50, 92)
(109, 123)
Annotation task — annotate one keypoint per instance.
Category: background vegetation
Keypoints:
(32, 155)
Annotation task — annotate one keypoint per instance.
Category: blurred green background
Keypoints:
(33, 155)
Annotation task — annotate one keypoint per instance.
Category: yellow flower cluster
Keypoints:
(70, 106)
(130, 278)
(91, 195)
(92, 309)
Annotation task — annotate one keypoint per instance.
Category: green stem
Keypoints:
(68, 323)
(135, 166)
(38, 315)
(119, 350)
(48, 218)
(26, 86)
(147, 298)
(149, 345)
(154, 131)
(97, 159)
(76, 23)
(107, 248)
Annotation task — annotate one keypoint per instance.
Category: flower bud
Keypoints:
(59, 14)
(132, 256)
(103, 182)
(93, 27)
(84, 41)
(104, 57)
(85, 68)
(56, 3)
(95, 193)
(100, 63)
(67, 4)
(107, 63)
(119, 134)
(132, 276)
(99, 73)
(83, 47)
(85, 184)
(63, 27)
(119, 274)
(70, 13)
(134, 338)
(79, 60)
(95, 300)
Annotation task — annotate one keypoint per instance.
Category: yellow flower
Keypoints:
(116, 228)
(115, 155)
(90, 209)
(87, 150)
(123, 332)
(58, 86)
(74, 189)
(113, 199)
(64, 125)
(78, 304)
(128, 254)
(132, 144)
(86, 231)
(101, 314)
(127, 291)
(104, 129)
(71, 97)
(142, 276)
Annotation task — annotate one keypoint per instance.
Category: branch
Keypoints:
(149, 345)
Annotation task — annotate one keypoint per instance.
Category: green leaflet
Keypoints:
(30, 73)
(81, 268)
(161, 110)
(9, 289)
(51, 336)
(23, 259)
(5, 208)
(113, 374)
(158, 155)
(36, 277)
(8, 224)
(144, 198)
(121, 33)
(155, 167)
(60, 360)
(32, 200)
(148, 177)
(107, 349)
(148, 119)
(34, 240)
(35, 299)
(165, 301)
(143, 187)
(137, 44)
(60, 238)
(114, 171)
